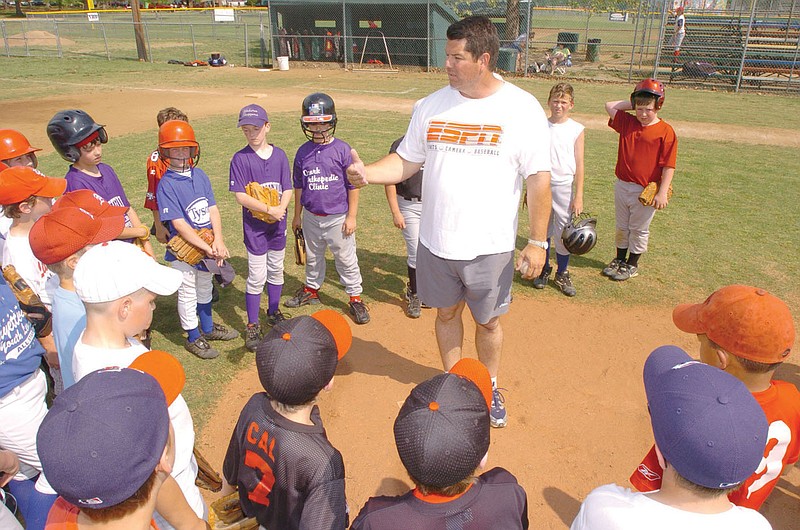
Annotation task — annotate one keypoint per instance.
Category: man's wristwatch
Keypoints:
(536, 243)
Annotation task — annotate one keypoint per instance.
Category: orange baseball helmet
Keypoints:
(177, 133)
(13, 144)
(652, 87)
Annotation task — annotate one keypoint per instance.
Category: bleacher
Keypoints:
(768, 54)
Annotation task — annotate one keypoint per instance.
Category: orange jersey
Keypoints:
(781, 404)
(156, 167)
(64, 516)
(643, 152)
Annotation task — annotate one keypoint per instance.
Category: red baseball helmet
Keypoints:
(14, 144)
(650, 86)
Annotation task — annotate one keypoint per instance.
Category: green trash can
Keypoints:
(569, 40)
(593, 50)
(507, 59)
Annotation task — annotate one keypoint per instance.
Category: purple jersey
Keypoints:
(289, 475)
(320, 171)
(495, 500)
(246, 167)
(107, 185)
(186, 197)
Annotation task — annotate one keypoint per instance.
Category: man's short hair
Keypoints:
(480, 34)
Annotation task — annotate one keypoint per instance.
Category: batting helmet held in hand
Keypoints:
(580, 235)
(652, 87)
(68, 128)
(177, 133)
(318, 108)
(13, 144)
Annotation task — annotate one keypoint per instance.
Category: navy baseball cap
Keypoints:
(706, 423)
(442, 430)
(298, 357)
(104, 436)
(253, 115)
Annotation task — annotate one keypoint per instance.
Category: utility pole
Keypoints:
(141, 49)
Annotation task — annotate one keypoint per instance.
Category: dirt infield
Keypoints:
(577, 413)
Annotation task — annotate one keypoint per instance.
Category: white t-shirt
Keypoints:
(87, 359)
(562, 150)
(613, 507)
(17, 252)
(476, 153)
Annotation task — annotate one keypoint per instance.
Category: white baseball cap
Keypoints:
(115, 269)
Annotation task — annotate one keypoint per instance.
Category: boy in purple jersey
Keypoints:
(79, 140)
(331, 204)
(267, 165)
(288, 474)
(442, 437)
(187, 204)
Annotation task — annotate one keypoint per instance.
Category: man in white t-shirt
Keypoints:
(118, 283)
(478, 138)
(710, 436)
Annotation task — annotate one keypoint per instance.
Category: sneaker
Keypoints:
(252, 337)
(274, 318)
(302, 297)
(540, 282)
(220, 332)
(413, 305)
(625, 272)
(564, 283)
(359, 312)
(498, 415)
(613, 267)
(201, 348)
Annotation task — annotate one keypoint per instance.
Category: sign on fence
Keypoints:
(224, 15)
(93, 17)
(618, 17)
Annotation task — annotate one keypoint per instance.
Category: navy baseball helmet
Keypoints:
(318, 108)
(580, 235)
(68, 128)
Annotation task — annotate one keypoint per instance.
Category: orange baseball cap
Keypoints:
(91, 202)
(475, 371)
(21, 182)
(337, 325)
(746, 321)
(165, 369)
(61, 233)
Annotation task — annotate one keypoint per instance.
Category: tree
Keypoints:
(601, 6)
(512, 19)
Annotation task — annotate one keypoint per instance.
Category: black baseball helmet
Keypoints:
(580, 235)
(318, 108)
(69, 128)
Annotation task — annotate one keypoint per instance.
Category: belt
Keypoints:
(412, 199)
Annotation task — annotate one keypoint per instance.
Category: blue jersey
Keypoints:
(185, 196)
(20, 352)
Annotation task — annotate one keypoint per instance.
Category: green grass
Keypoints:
(732, 219)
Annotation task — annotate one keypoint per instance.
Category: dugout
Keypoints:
(330, 30)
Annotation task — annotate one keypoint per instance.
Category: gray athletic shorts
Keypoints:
(484, 282)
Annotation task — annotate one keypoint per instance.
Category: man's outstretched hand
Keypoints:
(356, 172)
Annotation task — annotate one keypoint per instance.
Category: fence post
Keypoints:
(344, 34)
(58, 40)
(147, 40)
(635, 36)
(746, 43)
(194, 44)
(5, 38)
(25, 37)
(528, 40)
(105, 40)
(661, 33)
(428, 37)
(246, 48)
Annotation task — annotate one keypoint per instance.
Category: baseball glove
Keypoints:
(268, 196)
(187, 252)
(649, 193)
(226, 514)
(207, 478)
(299, 247)
(29, 302)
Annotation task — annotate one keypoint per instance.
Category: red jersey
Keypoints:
(643, 152)
(156, 167)
(64, 516)
(781, 404)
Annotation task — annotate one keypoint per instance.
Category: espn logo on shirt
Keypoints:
(465, 134)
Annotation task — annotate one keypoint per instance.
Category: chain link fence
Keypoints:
(733, 45)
